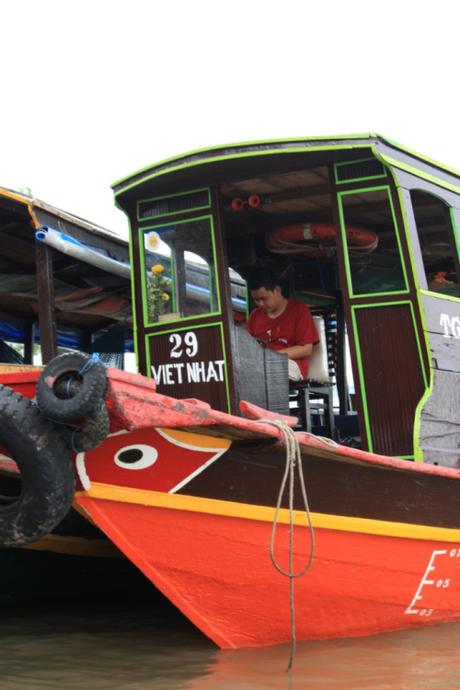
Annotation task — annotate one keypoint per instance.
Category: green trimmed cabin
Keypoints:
(377, 262)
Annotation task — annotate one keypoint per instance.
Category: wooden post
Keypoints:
(29, 334)
(46, 312)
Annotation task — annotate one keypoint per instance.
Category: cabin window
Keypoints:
(179, 268)
(437, 242)
(373, 252)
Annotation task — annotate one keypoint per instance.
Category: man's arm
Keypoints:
(297, 351)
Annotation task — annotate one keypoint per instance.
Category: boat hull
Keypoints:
(187, 493)
(212, 560)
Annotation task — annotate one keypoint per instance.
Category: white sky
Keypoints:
(92, 90)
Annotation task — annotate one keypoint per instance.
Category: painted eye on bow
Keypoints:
(136, 457)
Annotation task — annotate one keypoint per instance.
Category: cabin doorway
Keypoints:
(266, 221)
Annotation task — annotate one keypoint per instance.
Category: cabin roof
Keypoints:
(34, 203)
(87, 296)
(227, 159)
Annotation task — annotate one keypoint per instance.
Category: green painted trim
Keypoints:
(357, 179)
(363, 136)
(414, 323)
(455, 231)
(245, 154)
(224, 350)
(363, 190)
(420, 173)
(362, 384)
(148, 336)
(172, 196)
(407, 234)
(405, 457)
(430, 293)
(141, 233)
(256, 142)
(418, 451)
(402, 207)
(421, 156)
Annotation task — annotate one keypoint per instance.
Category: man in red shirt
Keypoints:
(281, 324)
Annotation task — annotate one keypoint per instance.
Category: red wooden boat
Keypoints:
(187, 480)
(194, 511)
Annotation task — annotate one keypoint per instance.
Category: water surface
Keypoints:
(137, 646)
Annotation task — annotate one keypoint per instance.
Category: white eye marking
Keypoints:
(136, 457)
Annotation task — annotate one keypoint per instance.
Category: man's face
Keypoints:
(268, 300)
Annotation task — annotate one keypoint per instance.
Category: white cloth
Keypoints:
(294, 372)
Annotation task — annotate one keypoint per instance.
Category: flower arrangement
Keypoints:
(158, 298)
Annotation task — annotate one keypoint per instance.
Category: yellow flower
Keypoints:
(158, 268)
(165, 296)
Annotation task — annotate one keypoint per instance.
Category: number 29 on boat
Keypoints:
(186, 484)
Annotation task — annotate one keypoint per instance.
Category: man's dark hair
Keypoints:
(262, 278)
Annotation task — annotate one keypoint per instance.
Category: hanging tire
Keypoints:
(91, 434)
(46, 472)
(71, 386)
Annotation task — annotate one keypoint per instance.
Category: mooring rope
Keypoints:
(293, 460)
(90, 362)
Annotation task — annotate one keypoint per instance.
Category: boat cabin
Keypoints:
(360, 229)
(64, 284)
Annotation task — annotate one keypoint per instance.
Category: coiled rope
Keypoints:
(293, 461)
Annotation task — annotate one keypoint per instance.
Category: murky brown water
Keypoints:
(131, 646)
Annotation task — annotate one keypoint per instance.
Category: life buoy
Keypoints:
(72, 385)
(45, 467)
(299, 239)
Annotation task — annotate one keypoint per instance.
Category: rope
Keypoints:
(90, 362)
(293, 461)
(324, 439)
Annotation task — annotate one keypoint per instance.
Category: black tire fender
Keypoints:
(46, 469)
(71, 386)
(91, 434)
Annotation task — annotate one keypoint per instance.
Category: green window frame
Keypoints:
(337, 166)
(216, 309)
(363, 190)
(141, 219)
(362, 380)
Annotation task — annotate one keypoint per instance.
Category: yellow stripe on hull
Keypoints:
(246, 511)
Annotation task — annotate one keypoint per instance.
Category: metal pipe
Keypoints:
(77, 250)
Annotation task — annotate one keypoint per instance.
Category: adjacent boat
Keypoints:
(74, 296)
(188, 480)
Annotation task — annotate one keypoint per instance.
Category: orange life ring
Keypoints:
(292, 239)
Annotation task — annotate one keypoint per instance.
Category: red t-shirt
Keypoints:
(295, 326)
